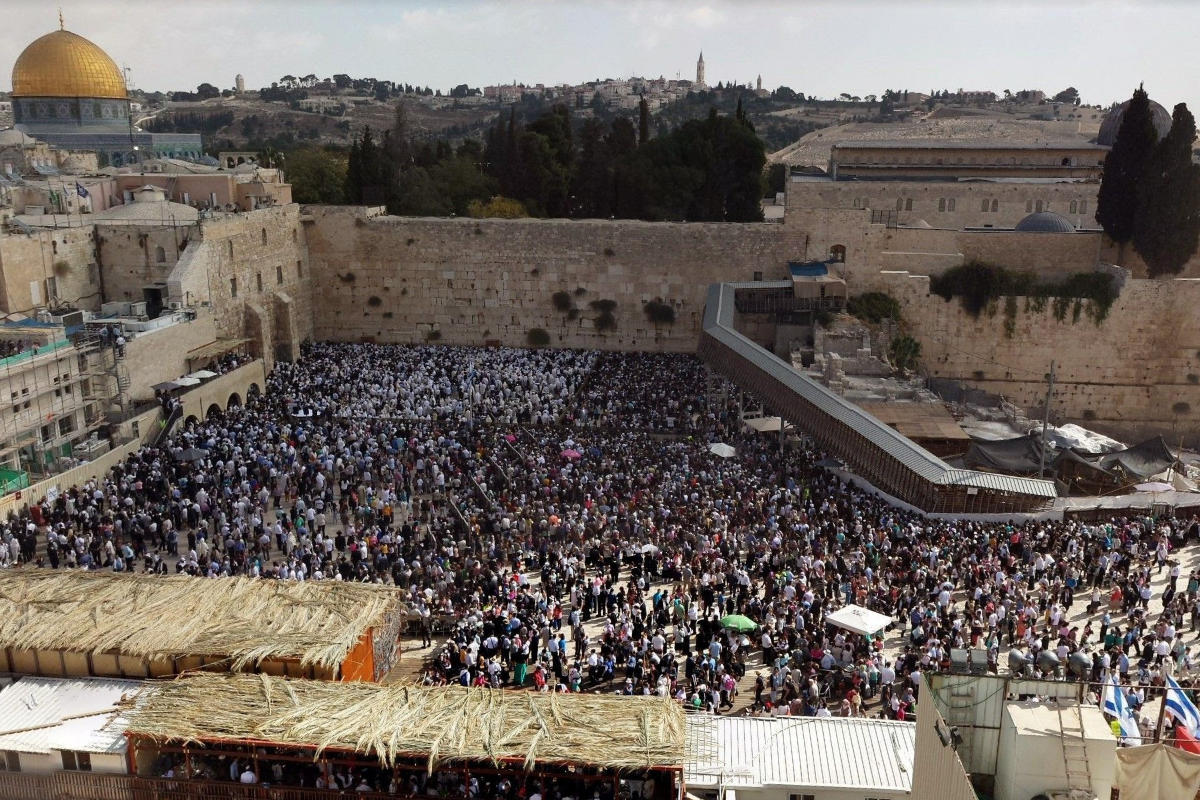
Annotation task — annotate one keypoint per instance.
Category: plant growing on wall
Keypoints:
(61, 268)
(605, 320)
(874, 307)
(537, 337)
(659, 313)
(979, 287)
(904, 353)
(561, 300)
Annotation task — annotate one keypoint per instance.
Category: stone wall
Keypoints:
(1134, 374)
(465, 281)
(136, 256)
(161, 355)
(258, 279)
(55, 264)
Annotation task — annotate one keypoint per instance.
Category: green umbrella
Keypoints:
(739, 623)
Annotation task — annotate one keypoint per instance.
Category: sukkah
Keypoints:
(439, 724)
(244, 621)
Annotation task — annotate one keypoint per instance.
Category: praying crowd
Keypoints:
(557, 521)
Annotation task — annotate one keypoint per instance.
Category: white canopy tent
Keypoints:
(859, 620)
(721, 449)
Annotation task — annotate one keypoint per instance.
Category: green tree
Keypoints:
(643, 121)
(1067, 95)
(369, 177)
(1116, 203)
(1168, 214)
(777, 178)
(206, 90)
(460, 180)
(317, 176)
(592, 185)
(497, 208)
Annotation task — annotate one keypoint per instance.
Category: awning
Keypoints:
(217, 348)
(858, 619)
(203, 374)
(721, 449)
(185, 381)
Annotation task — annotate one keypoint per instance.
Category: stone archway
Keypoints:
(214, 410)
(234, 400)
(252, 392)
(190, 420)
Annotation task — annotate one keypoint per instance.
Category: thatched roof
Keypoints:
(440, 724)
(247, 620)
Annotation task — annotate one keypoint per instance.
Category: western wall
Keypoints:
(466, 281)
(463, 281)
(1132, 374)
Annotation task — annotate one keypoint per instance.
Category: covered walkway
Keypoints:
(868, 447)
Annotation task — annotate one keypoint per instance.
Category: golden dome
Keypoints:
(64, 64)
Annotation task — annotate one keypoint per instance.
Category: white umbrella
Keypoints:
(721, 449)
(203, 374)
(649, 548)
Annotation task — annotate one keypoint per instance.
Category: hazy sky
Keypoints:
(822, 48)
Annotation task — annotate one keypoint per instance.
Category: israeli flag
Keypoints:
(1181, 708)
(1117, 705)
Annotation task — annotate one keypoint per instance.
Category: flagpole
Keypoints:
(1162, 713)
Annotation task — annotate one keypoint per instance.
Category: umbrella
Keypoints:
(721, 449)
(1154, 486)
(508, 437)
(571, 455)
(191, 454)
(202, 374)
(649, 548)
(739, 623)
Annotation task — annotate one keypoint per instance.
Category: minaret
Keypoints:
(700, 70)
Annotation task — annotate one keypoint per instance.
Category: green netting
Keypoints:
(12, 480)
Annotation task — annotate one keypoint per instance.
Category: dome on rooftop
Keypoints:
(64, 64)
(1112, 122)
(1045, 222)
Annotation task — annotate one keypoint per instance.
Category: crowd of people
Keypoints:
(557, 521)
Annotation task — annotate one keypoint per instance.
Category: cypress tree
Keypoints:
(1168, 217)
(643, 122)
(1116, 205)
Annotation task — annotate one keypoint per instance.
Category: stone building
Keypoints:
(51, 403)
(939, 160)
(69, 93)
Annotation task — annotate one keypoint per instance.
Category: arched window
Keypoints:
(1039, 206)
(995, 205)
(160, 255)
(264, 235)
(1074, 206)
(838, 253)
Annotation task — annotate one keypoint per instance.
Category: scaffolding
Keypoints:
(105, 364)
(51, 403)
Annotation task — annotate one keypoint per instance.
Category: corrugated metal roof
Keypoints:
(817, 752)
(98, 725)
(718, 323)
